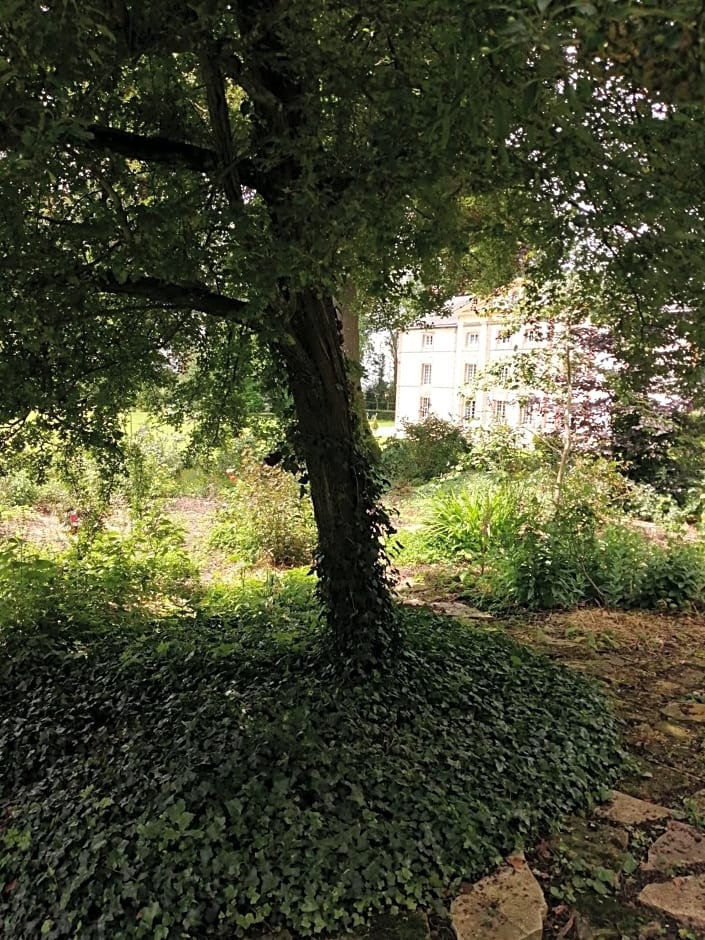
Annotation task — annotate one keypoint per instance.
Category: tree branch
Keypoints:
(153, 149)
(146, 147)
(220, 126)
(185, 296)
(156, 149)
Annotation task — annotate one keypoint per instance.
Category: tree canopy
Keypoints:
(193, 177)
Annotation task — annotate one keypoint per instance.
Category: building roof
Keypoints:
(457, 303)
(495, 305)
(434, 322)
(443, 319)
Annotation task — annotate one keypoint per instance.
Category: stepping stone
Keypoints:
(673, 731)
(679, 846)
(459, 610)
(685, 711)
(666, 686)
(507, 905)
(626, 810)
(683, 899)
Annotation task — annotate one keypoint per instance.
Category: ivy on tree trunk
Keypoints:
(355, 579)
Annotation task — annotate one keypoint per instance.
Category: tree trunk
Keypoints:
(355, 580)
(350, 325)
(350, 322)
(567, 422)
(393, 342)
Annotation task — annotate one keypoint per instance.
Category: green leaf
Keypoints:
(149, 913)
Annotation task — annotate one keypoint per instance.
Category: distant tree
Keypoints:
(661, 441)
(379, 391)
(578, 388)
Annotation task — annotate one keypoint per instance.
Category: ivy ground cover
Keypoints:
(213, 779)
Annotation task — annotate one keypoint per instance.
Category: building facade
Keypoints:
(443, 365)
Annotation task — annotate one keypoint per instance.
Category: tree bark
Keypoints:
(567, 421)
(355, 579)
(393, 342)
(350, 325)
(350, 322)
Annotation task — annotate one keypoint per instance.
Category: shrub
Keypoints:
(596, 483)
(153, 459)
(202, 780)
(266, 519)
(430, 448)
(18, 488)
(621, 561)
(645, 502)
(674, 577)
(525, 551)
(549, 566)
(26, 584)
(103, 577)
(500, 448)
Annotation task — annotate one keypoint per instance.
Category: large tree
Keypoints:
(182, 175)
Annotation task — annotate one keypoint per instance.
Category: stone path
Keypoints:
(626, 810)
(669, 882)
(507, 905)
(635, 870)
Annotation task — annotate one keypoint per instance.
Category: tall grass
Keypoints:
(482, 520)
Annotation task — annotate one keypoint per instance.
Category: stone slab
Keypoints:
(507, 905)
(459, 610)
(627, 810)
(685, 711)
(673, 730)
(680, 846)
(683, 899)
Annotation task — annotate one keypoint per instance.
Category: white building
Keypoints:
(442, 361)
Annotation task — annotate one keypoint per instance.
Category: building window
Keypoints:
(533, 335)
(499, 411)
(503, 338)
(426, 373)
(504, 373)
(424, 407)
(427, 340)
(470, 373)
(472, 339)
(526, 413)
(469, 409)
